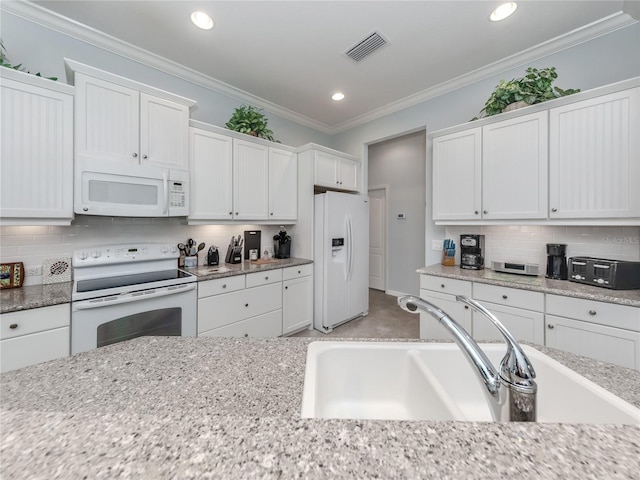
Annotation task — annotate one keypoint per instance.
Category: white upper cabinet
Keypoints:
(335, 172)
(514, 168)
(457, 175)
(211, 176)
(250, 181)
(36, 163)
(594, 157)
(120, 120)
(283, 184)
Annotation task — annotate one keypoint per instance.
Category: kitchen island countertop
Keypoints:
(180, 407)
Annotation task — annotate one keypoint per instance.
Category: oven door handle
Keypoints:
(132, 297)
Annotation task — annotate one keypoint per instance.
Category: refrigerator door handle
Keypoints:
(349, 248)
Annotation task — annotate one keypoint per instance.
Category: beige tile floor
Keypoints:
(385, 320)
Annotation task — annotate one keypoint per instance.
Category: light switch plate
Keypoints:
(436, 245)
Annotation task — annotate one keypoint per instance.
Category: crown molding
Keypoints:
(583, 34)
(47, 18)
(59, 23)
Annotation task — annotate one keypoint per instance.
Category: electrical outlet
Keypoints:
(436, 245)
(33, 270)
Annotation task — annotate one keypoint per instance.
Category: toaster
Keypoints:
(600, 272)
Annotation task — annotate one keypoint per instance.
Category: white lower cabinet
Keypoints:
(261, 304)
(598, 330)
(33, 336)
(297, 298)
(442, 293)
(520, 311)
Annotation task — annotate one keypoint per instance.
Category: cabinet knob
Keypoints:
(266, 278)
(442, 285)
(476, 212)
(485, 211)
(236, 213)
(224, 285)
(135, 155)
(592, 312)
(554, 209)
(246, 304)
(466, 307)
(504, 297)
(246, 334)
(13, 326)
(550, 327)
(286, 288)
(145, 156)
(230, 213)
(299, 271)
(271, 213)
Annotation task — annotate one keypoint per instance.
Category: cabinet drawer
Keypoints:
(512, 297)
(24, 322)
(264, 278)
(295, 272)
(220, 285)
(620, 316)
(524, 325)
(38, 347)
(445, 285)
(220, 310)
(266, 325)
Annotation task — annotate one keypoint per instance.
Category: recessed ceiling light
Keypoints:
(503, 11)
(202, 20)
(337, 96)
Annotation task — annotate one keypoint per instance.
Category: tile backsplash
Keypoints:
(527, 243)
(32, 245)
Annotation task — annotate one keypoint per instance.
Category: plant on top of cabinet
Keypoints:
(4, 62)
(534, 87)
(250, 120)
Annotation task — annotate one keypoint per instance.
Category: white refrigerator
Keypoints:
(341, 259)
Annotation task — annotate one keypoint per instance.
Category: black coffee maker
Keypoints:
(471, 248)
(282, 244)
(557, 261)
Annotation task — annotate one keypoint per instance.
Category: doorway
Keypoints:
(377, 237)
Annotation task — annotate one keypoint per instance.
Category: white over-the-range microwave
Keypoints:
(116, 189)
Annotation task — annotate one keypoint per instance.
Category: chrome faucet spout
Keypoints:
(516, 372)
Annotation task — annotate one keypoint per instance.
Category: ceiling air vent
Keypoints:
(367, 46)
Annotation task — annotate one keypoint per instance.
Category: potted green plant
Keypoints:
(250, 120)
(534, 87)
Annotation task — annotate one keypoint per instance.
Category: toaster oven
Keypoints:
(614, 274)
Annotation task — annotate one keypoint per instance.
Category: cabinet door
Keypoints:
(164, 133)
(36, 162)
(514, 168)
(524, 325)
(326, 170)
(107, 120)
(297, 304)
(250, 181)
(283, 185)
(594, 150)
(457, 175)
(35, 348)
(348, 174)
(430, 327)
(608, 344)
(211, 176)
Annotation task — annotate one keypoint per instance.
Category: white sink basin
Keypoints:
(434, 381)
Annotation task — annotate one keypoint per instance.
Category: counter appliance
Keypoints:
(282, 244)
(613, 274)
(557, 261)
(341, 259)
(471, 251)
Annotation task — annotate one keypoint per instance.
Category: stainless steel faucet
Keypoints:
(512, 392)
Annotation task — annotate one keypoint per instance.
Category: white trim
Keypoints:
(384, 187)
(42, 16)
(396, 294)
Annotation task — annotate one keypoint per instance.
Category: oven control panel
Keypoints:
(125, 253)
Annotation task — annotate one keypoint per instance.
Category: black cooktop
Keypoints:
(105, 283)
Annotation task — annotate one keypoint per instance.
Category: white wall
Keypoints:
(399, 163)
(603, 60)
(42, 49)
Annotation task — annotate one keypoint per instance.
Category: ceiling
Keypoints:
(291, 53)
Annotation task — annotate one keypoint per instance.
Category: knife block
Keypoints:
(234, 255)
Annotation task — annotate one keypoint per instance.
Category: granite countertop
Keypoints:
(204, 272)
(536, 284)
(180, 407)
(36, 296)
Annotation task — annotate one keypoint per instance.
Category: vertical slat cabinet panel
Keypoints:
(348, 174)
(211, 176)
(514, 168)
(325, 170)
(297, 304)
(107, 121)
(250, 181)
(37, 153)
(164, 133)
(283, 184)
(594, 157)
(457, 175)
